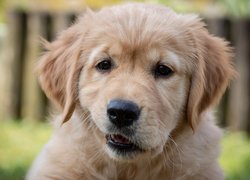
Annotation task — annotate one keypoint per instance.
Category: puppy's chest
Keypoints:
(144, 174)
(138, 172)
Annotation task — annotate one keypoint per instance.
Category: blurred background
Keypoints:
(24, 108)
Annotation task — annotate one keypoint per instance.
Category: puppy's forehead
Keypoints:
(132, 31)
(138, 27)
(134, 27)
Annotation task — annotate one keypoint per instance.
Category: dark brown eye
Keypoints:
(104, 65)
(162, 71)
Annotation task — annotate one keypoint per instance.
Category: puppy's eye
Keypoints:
(104, 66)
(162, 71)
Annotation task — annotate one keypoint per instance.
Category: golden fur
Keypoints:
(176, 127)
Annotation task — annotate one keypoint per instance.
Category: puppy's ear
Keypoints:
(211, 75)
(58, 70)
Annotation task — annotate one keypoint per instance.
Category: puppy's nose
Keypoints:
(122, 113)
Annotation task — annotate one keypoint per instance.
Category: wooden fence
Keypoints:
(21, 97)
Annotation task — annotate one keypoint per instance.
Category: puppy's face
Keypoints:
(136, 94)
(140, 71)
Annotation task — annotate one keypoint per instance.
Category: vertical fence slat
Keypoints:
(17, 26)
(239, 99)
(32, 103)
(60, 23)
(248, 77)
(6, 52)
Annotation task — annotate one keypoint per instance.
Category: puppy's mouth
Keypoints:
(121, 144)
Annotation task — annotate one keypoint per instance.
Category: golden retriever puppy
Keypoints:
(136, 84)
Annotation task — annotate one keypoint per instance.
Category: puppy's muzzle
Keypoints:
(122, 113)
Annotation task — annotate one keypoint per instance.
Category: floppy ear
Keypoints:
(58, 70)
(211, 75)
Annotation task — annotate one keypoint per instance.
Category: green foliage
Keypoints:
(236, 8)
(2, 7)
(22, 141)
(184, 5)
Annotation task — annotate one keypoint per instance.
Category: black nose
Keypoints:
(122, 112)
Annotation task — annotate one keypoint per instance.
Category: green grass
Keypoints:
(235, 158)
(21, 142)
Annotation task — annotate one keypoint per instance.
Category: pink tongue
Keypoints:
(120, 139)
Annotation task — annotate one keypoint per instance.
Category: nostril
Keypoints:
(112, 114)
(130, 115)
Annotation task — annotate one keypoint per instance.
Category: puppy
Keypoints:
(136, 84)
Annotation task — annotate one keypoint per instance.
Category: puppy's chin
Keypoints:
(129, 151)
(124, 156)
(133, 156)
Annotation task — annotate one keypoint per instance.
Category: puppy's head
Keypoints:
(139, 71)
